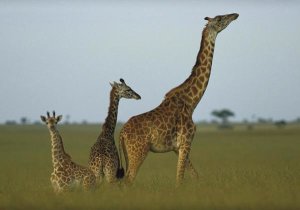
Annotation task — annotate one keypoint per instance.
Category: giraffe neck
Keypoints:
(192, 90)
(57, 147)
(108, 128)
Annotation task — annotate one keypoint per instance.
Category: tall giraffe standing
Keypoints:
(104, 159)
(169, 127)
(66, 173)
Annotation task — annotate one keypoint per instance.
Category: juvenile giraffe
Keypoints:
(169, 127)
(104, 159)
(66, 173)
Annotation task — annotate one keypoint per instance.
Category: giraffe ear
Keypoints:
(43, 118)
(58, 118)
(114, 84)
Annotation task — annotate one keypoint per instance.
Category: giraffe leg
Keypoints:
(182, 162)
(135, 159)
(189, 166)
(89, 182)
(101, 175)
(97, 168)
(64, 187)
(111, 178)
(55, 185)
(110, 174)
(60, 186)
(185, 135)
(191, 169)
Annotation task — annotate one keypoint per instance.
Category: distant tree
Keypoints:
(10, 122)
(202, 122)
(223, 115)
(37, 122)
(24, 120)
(264, 121)
(280, 123)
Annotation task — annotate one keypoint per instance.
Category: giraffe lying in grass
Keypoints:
(66, 174)
(104, 159)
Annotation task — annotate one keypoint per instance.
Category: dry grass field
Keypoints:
(239, 169)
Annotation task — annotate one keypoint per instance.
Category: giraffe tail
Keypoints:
(120, 172)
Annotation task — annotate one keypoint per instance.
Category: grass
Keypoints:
(239, 169)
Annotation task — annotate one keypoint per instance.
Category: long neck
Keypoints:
(58, 150)
(192, 90)
(201, 71)
(109, 125)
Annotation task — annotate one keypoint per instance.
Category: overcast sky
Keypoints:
(61, 55)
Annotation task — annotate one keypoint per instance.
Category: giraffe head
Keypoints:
(124, 91)
(220, 22)
(51, 121)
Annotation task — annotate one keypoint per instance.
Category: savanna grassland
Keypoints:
(239, 169)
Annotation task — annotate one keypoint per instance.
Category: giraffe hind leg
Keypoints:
(110, 173)
(97, 168)
(193, 172)
(135, 159)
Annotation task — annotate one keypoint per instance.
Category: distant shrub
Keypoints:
(280, 123)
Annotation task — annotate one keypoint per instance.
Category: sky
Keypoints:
(62, 55)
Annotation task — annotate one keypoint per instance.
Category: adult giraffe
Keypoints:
(170, 127)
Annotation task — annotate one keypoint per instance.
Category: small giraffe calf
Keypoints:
(66, 173)
(104, 159)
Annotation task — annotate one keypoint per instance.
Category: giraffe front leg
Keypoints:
(89, 182)
(182, 162)
(55, 184)
(190, 167)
